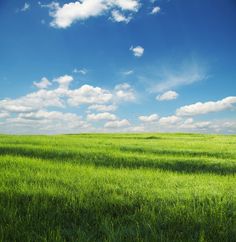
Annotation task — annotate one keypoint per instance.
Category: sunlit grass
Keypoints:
(147, 187)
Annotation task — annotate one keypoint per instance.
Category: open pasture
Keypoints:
(118, 187)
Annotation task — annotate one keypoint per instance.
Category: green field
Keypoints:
(118, 187)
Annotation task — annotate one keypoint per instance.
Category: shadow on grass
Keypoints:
(43, 217)
(121, 161)
(185, 153)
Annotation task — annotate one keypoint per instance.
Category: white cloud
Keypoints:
(101, 116)
(170, 120)
(64, 16)
(43, 84)
(64, 81)
(188, 121)
(71, 12)
(117, 16)
(214, 126)
(156, 10)
(138, 129)
(4, 115)
(40, 99)
(117, 124)
(87, 94)
(52, 115)
(43, 121)
(207, 107)
(169, 95)
(201, 125)
(32, 102)
(138, 51)
(99, 99)
(103, 108)
(33, 113)
(149, 119)
(128, 5)
(16, 106)
(180, 124)
(25, 7)
(82, 71)
(124, 92)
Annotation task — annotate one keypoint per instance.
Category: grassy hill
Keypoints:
(118, 187)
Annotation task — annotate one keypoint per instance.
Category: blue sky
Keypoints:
(117, 66)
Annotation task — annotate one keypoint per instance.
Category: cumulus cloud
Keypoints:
(64, 81)
(167, 96)
(4, 115)
(30, 111)
(102, 108)
(64, 16)
(43, 84)
(117, 124)
(33, 113)
(88, 94)
(52, 115)
(101, 116)
(43, 121)
(156, 10)
(40, 99)
(207, 107)
(124, 92)
(200, 125)
(128, 5)
(184, 124)
(16, 106)
(213, 126)
(169, 120)
(138, 51)
(32, 102)
(97, 98)
(149, 119)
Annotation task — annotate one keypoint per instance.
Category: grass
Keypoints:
(118, 187)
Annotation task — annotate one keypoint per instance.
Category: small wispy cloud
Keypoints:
(117, 16)
(170, 79)
(155, 10)
(82, 71)
(25, 7)
(128, 72)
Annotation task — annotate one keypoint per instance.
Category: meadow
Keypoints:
(118, 187)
